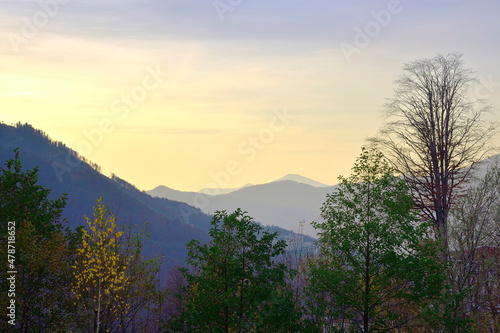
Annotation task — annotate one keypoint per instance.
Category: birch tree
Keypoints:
(99, 270)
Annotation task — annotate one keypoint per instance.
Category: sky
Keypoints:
(221, 93)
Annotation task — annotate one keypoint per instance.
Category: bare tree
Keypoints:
(435, 133)
(174, 284)
(474, 237)
(296, 258)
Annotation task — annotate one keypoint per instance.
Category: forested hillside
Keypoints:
(171, 224)
(408, 242)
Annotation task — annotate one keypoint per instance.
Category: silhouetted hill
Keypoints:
(163, 191)
(281, 203)
(278, 205)
(171, 224)
(301, 179)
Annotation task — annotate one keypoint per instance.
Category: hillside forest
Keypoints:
(408, 242)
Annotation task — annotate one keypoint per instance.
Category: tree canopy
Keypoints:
(377, 268)
(235, 283)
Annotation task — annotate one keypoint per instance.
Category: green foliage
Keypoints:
(235, 283)
(45, 260)
(443, 315)
(22, 199)
(377, 268)
(43, 251)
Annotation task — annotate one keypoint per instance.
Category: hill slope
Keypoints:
(171, 224)
(283, 203)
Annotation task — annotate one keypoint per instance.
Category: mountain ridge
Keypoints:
(300, 179)
(171, 224)
(284, 203)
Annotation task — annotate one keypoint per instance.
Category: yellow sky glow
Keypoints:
(181, 111)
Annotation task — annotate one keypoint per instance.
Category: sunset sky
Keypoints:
(191, 93)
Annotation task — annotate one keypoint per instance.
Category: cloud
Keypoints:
(251, 20)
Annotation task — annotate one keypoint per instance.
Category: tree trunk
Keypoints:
(98, 304)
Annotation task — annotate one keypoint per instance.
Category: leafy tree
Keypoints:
(43, 252)
(377, 268)
(22, 199)
(436, 133)
(234, 284)
(43, 282)
(115, 288)
(99, 270)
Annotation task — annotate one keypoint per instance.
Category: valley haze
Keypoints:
(285, 202)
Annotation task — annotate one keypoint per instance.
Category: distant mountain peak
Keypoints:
(300, 179)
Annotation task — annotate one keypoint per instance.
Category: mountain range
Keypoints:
(290, 202)
(292, 177)
(173, 217)
(170, 224)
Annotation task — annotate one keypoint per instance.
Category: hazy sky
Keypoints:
(188, 93)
